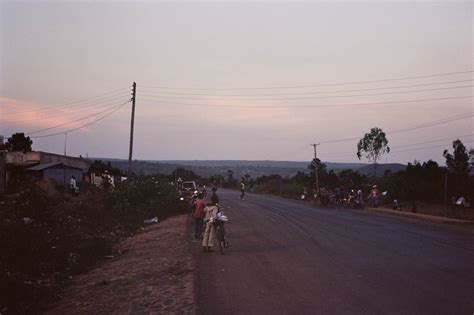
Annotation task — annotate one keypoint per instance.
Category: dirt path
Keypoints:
(154, 274)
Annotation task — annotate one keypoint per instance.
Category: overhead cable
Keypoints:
(309, 97)
(76, 120)
(65, 112)
(68, 105)
(85, 125)
(312, 92)
(307, 106)
(315, 85)
(411, 144)
(429, 124)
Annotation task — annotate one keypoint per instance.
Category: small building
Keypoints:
(34, 161)
(58, 171)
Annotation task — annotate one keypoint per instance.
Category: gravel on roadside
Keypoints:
(152, 272)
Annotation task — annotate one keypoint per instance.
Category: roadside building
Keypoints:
(60, 172)
(49, 165)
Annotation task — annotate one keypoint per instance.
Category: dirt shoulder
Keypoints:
(420, 216)
(153, 273)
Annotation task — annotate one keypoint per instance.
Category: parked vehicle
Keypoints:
(188, 189)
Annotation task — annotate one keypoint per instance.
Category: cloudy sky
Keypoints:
(237, 80)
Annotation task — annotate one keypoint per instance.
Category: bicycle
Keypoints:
(220, 231)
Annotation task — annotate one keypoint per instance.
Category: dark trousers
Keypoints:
(243, 193)
(198, 226)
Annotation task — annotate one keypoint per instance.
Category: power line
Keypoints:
(85, 125)
(411, 144)
(434, 123)
(92, 101)
(76, 120)
(309, 106)
(315, 85)
(434, 141)
(73, 110)
(424, 125)
(315, 92)
(310, 97)
(430, 147)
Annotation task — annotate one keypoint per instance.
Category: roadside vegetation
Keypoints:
(420, 187)
(47, 235)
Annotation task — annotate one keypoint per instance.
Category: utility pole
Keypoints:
(314, 145)
(64, 165)
(446, 193)
(65, 143)
(134, 94)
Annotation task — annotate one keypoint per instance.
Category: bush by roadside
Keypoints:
(47, 236)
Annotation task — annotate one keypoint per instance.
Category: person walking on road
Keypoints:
(214, 198)
(242, 189)
(198, 215)
(210, 215)
(374, 195)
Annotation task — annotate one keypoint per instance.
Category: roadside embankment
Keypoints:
(420, 216)
(153, 272)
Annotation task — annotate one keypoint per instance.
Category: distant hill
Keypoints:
(207, 168)
(381, 169)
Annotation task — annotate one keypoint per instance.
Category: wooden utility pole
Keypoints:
(64, 163)
(446, 193)
(316, 166)
(134, 94)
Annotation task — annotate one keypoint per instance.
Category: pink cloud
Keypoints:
(27, 116)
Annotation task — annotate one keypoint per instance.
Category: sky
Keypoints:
(237, 80)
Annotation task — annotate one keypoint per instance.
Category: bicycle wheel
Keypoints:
(220, 239)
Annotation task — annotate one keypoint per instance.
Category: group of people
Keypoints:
(341, 197)
(205, 214)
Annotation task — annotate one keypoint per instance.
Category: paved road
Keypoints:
(291, 257)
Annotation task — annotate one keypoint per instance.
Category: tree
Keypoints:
(17, 142)
(458, 162)
(458, 167)
(373, 145)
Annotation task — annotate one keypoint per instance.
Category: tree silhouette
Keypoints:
(373, 145)
(17, 142)
(458, 162)
(458, 167)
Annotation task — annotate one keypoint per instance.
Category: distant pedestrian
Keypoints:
(242, 189)
(73, 185)
(374, 196)
(214, 187)
(304, 196)
(214, 198)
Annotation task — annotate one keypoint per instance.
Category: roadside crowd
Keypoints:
(205, 215)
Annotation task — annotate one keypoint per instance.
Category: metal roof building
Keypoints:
(58, 171)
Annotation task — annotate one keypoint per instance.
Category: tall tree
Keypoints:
(373, 145)
(458, 168)
(17, 142)
(458, 162)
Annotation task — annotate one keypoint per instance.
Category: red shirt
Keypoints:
(375, 192)
(199, 210)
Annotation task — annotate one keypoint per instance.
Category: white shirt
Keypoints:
(73, 183)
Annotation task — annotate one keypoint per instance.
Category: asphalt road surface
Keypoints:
(292, 257)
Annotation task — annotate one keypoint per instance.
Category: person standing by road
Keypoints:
(198, 215)
(242, 189)
(374, 195)
(210, 215)
(73, 185)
